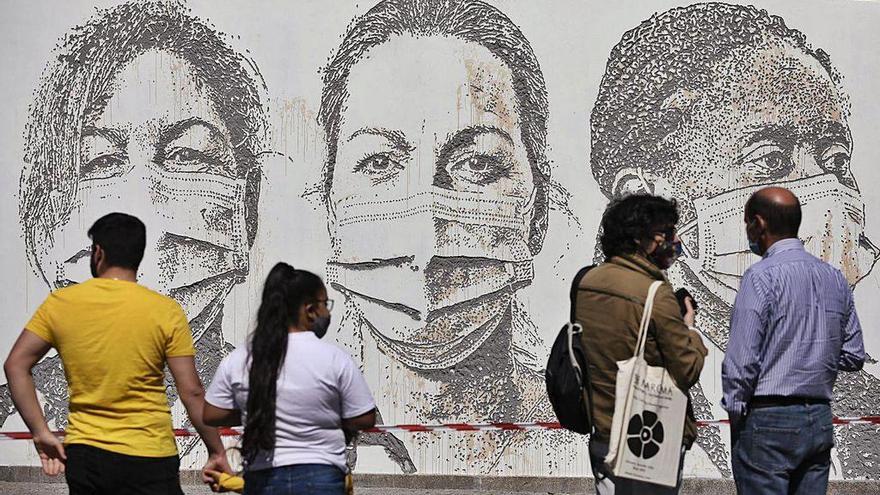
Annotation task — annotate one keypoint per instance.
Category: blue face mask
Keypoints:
(755, 247)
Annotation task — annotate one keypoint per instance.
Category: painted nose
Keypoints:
(805, 162)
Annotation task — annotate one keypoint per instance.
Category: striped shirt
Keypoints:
(794, 326)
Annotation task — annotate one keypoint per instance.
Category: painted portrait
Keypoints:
(707, 104)
(454, 163)
(145, 109)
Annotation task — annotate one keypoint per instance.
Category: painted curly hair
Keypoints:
(675, 50)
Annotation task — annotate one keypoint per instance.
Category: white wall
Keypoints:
(290, 43)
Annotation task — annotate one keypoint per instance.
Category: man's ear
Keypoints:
(98, 256)
(760, 223)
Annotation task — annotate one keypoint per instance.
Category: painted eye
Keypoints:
(480, 169)
(379, 166)
(104, 166)
(836, 160)
(186, 155)
(184, 159)
(768, 162)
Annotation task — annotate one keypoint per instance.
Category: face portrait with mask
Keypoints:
(147, 111)
(735, 101)
(763, 109)
(437, 201)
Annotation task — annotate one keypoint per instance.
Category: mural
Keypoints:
(438, 212)
(707, 104)
(459, 164)
(187, 164)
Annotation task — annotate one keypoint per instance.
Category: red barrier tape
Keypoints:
(460, 427)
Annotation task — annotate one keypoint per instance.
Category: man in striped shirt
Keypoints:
(794, 326)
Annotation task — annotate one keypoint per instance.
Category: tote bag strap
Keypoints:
(646, 318)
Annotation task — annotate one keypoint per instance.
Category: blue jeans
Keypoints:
(297, 479)
(783, 449)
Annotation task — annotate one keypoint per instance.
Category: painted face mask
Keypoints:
(196, 237)
(717, 250)
(436, 290)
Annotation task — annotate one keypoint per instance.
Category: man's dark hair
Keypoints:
(672, 51)
(783, 220)
(122, 237)
(632, 218)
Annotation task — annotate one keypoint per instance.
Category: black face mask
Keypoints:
(665, 253)
(320, 326)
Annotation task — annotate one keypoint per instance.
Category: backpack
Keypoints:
(568, 375)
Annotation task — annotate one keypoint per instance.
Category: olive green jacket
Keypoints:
(609, 306)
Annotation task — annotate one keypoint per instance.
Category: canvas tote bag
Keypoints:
(648, 422)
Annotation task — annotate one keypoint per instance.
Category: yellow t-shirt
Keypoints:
(113, 337)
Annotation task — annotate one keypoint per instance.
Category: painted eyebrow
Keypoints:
(117, 136)
(783, 134)
(788, 134)
(177, 129)
(395, 136)
(468, 135)
(831, 132)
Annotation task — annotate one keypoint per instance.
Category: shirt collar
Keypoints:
(640, 263)
(784, 245)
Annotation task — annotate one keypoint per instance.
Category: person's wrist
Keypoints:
(216, 452)
(43, 431)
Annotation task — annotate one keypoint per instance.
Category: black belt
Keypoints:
(780, 400)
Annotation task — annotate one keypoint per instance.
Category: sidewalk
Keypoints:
(21, 480)
(61, 489)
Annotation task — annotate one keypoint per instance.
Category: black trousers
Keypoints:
(94, 471)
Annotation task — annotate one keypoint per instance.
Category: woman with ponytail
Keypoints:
(295, 394)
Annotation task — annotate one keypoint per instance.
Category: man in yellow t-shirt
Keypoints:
(114, 338)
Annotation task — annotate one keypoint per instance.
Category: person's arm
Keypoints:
(742, 360)
(179, 354)
(192, 394)
(218, 416)
(852, 352)
(682, 348)
(358, 423)
(220, 407)
(25, 353)
(358, 407)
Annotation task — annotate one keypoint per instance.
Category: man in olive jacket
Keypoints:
(639, 242)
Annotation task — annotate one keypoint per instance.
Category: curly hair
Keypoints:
(632, 218)
(80, 80)
(469, 20)
(675, 50)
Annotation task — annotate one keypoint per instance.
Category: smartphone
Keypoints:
(681, 294)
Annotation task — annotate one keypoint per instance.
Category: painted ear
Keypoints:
(253, 183)
(681, 99)
(632, 180)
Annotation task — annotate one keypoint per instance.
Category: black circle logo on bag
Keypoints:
(644, 434)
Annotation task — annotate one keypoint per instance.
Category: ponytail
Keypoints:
(285, 291)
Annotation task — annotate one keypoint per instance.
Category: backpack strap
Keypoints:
(572, 295)
(575, 285)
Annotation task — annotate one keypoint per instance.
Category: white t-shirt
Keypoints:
(318, 385)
